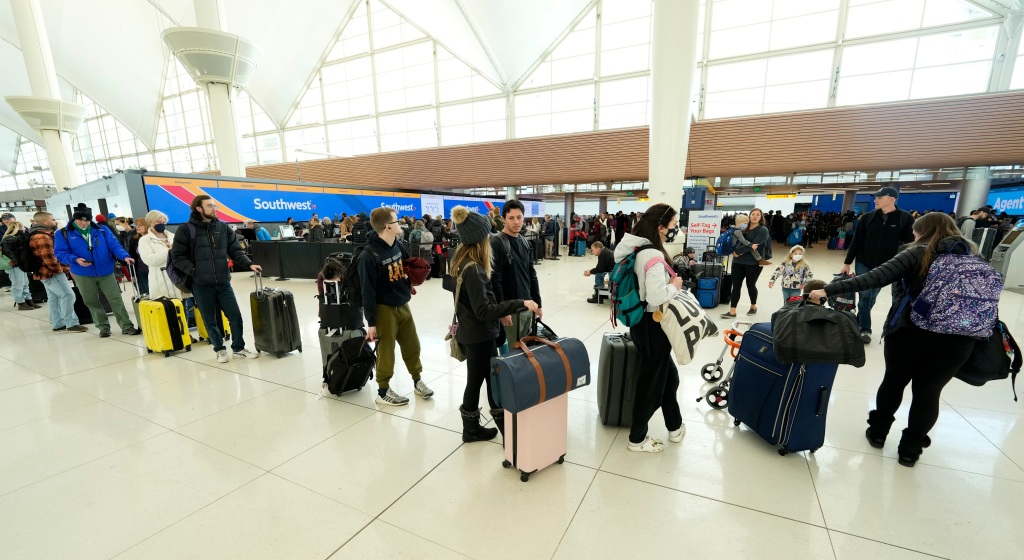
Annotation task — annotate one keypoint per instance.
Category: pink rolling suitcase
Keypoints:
(536, 437)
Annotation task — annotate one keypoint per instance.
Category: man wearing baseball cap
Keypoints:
(878, 238)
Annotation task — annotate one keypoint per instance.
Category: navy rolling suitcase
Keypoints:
(275, 323)
(617, 371)
(786, 404)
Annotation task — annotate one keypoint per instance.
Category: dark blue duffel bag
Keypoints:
(538, 370)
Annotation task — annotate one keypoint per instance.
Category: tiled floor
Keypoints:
(108, 452)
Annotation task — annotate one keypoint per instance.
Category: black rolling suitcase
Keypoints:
(5, 280)
(617, 368)
(38, 291)
(439, 264)
(275, 324)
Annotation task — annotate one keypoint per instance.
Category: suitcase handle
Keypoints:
(536, 365)
(258, 276)
(822, 401)
(135, 281)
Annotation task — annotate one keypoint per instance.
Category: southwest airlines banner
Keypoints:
(1010, 200)
(268, 202)
(482, 205)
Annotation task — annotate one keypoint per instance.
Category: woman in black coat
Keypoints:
(478, 312)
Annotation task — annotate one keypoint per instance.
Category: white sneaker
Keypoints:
(222, 356)
(422, 390)
(246, 353)
(677, 436)
(391, 398)
(648, 445)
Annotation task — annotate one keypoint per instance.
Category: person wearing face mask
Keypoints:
(153, 247)
(123, 232)
(656, 386)
(795, 273)
(746, 266)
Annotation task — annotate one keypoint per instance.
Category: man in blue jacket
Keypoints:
(92, 251)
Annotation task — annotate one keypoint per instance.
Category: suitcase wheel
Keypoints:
(735, 422)
(188, 348)
(783, 451)
(524, 477)
(711, 372)
(300, 349)
(148, 350)
(506, 464)
(279, 354)
(815, 449)
(718, 397)
(561, 459)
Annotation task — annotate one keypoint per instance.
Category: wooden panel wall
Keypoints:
(950, 132)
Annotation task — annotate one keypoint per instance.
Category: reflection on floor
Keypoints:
(111, 452)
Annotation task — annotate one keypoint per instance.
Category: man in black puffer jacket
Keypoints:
(201, 249)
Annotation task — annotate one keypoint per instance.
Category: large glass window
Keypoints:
(299, 142)
(457, 81)
(353, 137)
(310, 109)
(1017, 79)
(355, 38)
(769, 85)
(740, 27)
(481, 121)
(624, 103)
(405, 77)
(626, 36)
(389, 28)
(557, 111)
(348, 89)
(931, 66)
(408, 131)
(876, 17)
(573, 58)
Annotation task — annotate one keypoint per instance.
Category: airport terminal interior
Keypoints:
(576, 107)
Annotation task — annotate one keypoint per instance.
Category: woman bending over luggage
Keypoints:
(745, 266)
(927, 359)
(659, 379)
(478, 312)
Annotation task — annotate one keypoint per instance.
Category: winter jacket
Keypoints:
(42, 246)
(905, 266)
(516, 279)
(967, 227)
(153, 252)
(878, 237)
(205, 258)
(757, 236)
(551, 229)
(383, 281)
(793, 277)
(654, 284)
(101, 247)
(316, 234)
(262, 234)
(133, 249)
(605, 262)
(478, 310)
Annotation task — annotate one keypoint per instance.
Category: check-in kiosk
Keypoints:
(1008, 258)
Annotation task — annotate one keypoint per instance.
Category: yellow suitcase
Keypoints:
(225, 329)
(164, 325)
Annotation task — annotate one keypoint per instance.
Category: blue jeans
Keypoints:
(867, 301)
(211, 301)
(62, 301)
(19, 285)
(599, 279)
(788, 293)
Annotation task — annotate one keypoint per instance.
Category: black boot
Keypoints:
(595, 299)
(471, 428)
(499, 420)
(878, 428)
(911, 447)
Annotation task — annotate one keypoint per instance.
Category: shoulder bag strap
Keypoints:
(458, 290)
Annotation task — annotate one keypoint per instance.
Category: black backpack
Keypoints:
(22, 254)
(350, 366)
(352, 286)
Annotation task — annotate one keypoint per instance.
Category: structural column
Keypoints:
(602, 204)
(849, 198)
(55, 120)
(974, 193)
(673, 60)
(570, 204)
(511, 193)
(222, 63)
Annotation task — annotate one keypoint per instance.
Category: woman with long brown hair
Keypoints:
(745, 265)
(478, 311)
(659, 379)
(927, 359)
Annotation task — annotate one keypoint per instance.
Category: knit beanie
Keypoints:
(101, 219)
(473, 227)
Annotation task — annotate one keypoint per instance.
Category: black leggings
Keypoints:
(657, 381)
(929, 361)
(478, 371)
(749, 272)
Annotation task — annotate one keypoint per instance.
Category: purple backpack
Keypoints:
(960, 296)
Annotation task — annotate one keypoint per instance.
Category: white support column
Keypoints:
(221, 63)
(511, 193)
(975, 190)
(570, 204)
(673, 59)
(849, 198)
(55, 120)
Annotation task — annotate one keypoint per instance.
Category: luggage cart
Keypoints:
(718, 396)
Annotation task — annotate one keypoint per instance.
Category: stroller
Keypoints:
(718, 396)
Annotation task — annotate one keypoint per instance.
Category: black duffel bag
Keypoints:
(814, 334)
(990, 360)
(530, 375)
